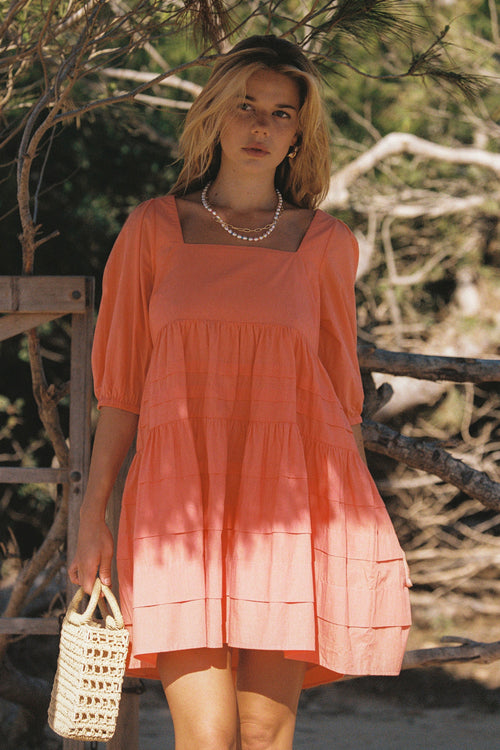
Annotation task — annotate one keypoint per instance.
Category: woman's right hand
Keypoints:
(115, 431)
(93, 554)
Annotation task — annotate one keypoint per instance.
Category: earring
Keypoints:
(292, 152)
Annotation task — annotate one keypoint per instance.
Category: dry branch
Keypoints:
(159, 101)
(429, 457)
(51, 544)
(144, 76)
(480, 653)
(451, 605)
(403, 143)
(415, 203)
(429, 367)
(31, 692)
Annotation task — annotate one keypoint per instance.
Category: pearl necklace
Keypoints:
(234, 231)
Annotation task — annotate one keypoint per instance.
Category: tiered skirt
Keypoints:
(248, 517)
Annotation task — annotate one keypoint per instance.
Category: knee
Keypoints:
(260, 735)
(211, 738)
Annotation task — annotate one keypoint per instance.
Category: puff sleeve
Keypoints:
(122, 341)
(338, 329)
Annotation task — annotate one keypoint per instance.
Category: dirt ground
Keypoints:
(452, 708)
(457, 708)
(438, 713)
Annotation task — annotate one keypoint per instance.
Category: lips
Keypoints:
(255, 149)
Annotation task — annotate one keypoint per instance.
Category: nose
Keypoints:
(260, 122)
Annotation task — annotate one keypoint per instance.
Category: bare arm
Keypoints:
(115, 431)
(358, 437)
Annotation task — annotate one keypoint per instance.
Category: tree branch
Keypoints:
(124, 97)
(480, 653)
(427, 367)
(144, 76)
(429, 457)
(52, 542)
(159, 101)
(31, 692)
(403, 143)
(416, 203)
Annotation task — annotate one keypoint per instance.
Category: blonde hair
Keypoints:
(303, 180)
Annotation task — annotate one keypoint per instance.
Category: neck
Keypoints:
(241, 194)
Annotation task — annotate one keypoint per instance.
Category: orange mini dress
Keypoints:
(248, 517)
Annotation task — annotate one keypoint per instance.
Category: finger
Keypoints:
(87, 582)
(86, 576)
(105, 572)
(73, 573)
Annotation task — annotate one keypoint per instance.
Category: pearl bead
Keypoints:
(231, 230)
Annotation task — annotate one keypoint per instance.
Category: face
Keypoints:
(258, 133)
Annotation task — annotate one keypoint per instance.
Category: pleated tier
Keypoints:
(248, 516)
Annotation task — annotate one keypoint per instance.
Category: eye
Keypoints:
(245, 106)
(282, 114)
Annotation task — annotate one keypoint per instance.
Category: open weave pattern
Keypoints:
(87, 686)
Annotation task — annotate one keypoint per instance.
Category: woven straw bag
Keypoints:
(88, 683)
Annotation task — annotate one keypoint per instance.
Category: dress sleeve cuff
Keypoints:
(118, 404)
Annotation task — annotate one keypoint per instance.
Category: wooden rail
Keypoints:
(27, 302)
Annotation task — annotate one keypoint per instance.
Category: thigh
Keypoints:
(268, 691)
(200, 691)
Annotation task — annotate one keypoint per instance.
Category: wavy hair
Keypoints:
(303, 180)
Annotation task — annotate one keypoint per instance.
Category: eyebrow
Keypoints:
(280, 106)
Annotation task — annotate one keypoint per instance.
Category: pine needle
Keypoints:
(210, 19)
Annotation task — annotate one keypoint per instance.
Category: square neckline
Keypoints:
(250, 246)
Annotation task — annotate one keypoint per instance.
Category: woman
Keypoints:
(252, 539)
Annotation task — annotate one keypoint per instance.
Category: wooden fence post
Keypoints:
(79, 435)
(27, 302)
(127, 730)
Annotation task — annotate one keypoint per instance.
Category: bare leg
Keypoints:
(200, 692)
(268, 691)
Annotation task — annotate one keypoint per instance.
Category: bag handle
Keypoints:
(114, 621)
